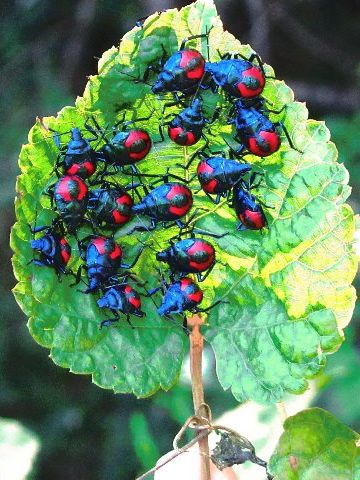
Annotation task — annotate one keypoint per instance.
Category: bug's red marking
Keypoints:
(196, 296)
(196, 70)
(119, 217)
(200, 246)
(204, 167)
(132, 297)
(135, 301)
(187, 140)
(253, 220)
(138, 136)
(74, 169)
(87, 168)
(100, 244)
(185, 282)
(124, 200)
(210, 186)
(116, 253)
(184, 198)
(128, 289)
(81, 186)
(256, 74)
(65, 251)
(174, 132)
(63, 188)
(272, 140)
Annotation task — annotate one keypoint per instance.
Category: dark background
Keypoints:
(47, 51)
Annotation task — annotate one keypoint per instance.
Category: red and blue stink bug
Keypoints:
(239, 78)
(77, 157)
(182, 72)
(53, 247)
(126, 148)
(255, 131)
(248, 209)
(71, 197)
(217, 175)
(120, 298)
(169, 201)
(183, 295)
(186, 128)
(102, 257)
(191, 255)
(110, 206)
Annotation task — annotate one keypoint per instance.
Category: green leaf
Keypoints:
(288, 287)
(18, 450)
(315, 445)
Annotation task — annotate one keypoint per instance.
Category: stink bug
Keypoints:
(238, 77)
(248, 209)
(126, 146)
(121, 298)
(77, 157)
(217, 175)
(255, 131)
(183, 71)
(169, 201)
(53, 247)
(183, 295)
(110, 205)
(186, 128)
(191, 255)
(71, 197)
(102, 257)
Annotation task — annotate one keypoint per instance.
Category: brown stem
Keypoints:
(200, 408)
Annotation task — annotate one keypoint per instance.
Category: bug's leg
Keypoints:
(200, 231)
(77, 275)
(192, 37)
(161, 133)
(215, 304)
(118, 123)
(201, 277)
(224, 56)
(238, 151)
(110, 321)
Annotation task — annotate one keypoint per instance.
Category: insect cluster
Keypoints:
(86, 194)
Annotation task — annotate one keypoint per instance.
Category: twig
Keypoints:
(200, 408)
(176, 453)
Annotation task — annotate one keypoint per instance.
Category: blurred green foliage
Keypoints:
(47, 50)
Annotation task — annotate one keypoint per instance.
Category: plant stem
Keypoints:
(196, 351)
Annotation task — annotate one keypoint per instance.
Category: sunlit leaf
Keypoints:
(288, 287)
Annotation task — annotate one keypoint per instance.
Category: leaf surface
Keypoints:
(316, 445)
(288, 288)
